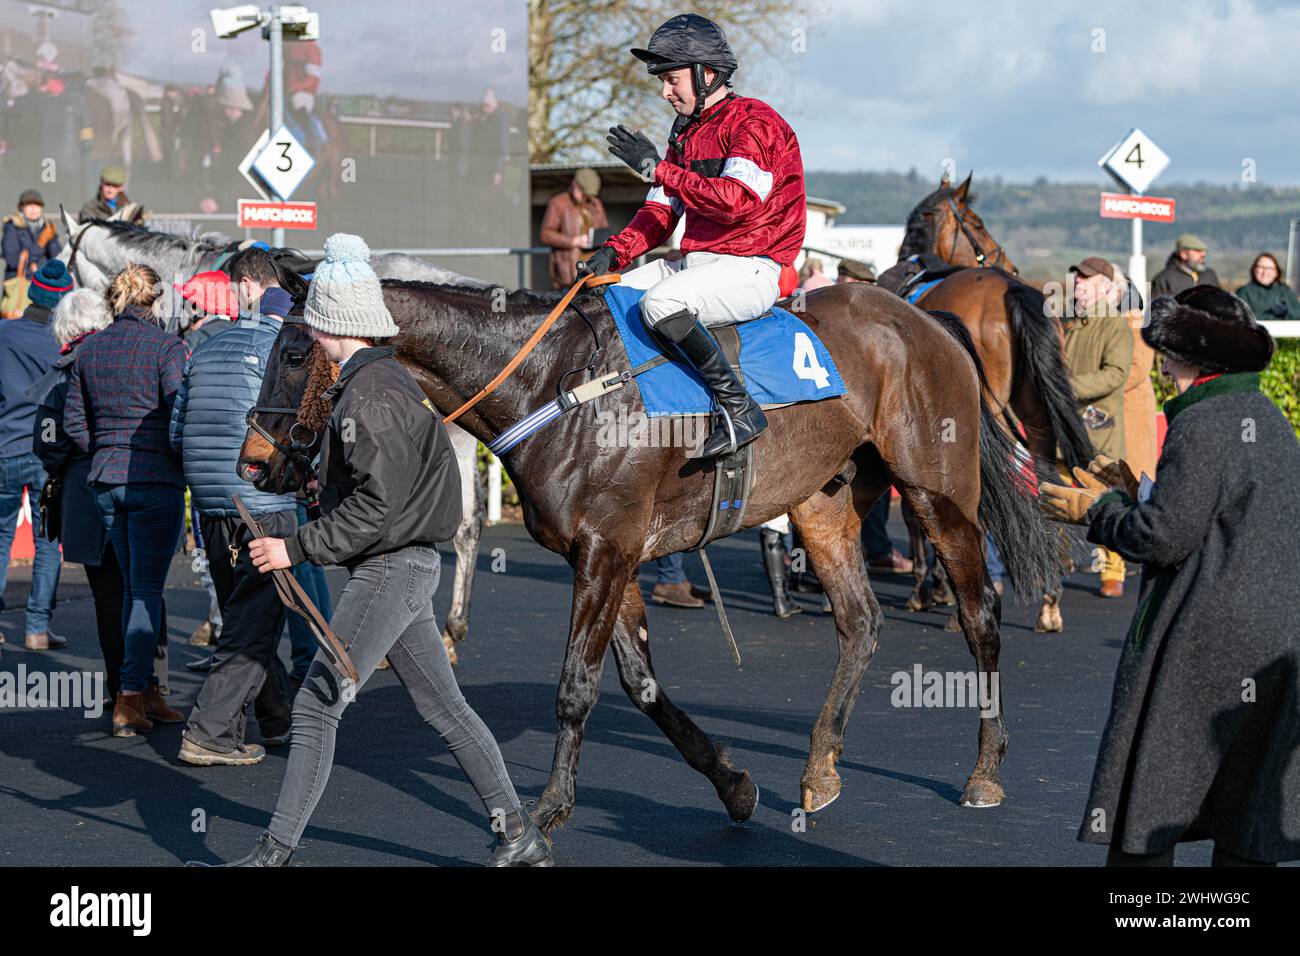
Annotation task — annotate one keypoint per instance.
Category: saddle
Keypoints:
(916, 275)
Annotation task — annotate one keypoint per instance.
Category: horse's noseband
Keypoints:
(296, 449)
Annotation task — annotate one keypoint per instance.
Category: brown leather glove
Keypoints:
(1115, 474)
(1063, 503)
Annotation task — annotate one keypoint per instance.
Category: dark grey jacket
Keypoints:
(81, 528)
(1175, 277)
(389, 474)
(1203, 740)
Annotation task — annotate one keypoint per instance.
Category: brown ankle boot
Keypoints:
(128, 715)
(158, 709)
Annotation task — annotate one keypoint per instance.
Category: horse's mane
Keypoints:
(523, 297)
(143, 239)
(919, 232)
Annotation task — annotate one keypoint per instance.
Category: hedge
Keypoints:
(1280, 381)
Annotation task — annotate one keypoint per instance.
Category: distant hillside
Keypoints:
(1047, 226)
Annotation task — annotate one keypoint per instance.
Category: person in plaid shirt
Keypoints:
(120, 396)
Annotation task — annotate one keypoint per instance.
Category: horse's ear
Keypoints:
(963, 189)
(69, 221)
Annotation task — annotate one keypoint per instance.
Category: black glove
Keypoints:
(635, 149)
(600, 262)
(1278, 309)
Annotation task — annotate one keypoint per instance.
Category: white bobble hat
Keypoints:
(345, 297)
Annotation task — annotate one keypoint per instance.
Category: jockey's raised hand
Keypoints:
(600, 262)
(634, 148)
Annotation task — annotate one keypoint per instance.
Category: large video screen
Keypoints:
(415, 116)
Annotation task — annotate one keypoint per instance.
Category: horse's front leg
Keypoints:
(473, 509)
(600, 574)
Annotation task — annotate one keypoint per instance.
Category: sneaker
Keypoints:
(245, 755)
(202, 665)
(277, 740)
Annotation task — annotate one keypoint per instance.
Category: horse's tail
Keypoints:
(1008, 507)
(1038, 353)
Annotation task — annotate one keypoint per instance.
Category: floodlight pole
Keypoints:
(275, 33)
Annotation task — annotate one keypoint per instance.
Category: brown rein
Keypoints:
(505, 373)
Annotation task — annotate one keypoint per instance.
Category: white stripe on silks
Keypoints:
(748, 172)
(659, 194)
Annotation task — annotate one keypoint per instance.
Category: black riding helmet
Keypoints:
(690, 40)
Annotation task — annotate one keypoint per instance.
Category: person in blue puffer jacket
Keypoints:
(221, 383)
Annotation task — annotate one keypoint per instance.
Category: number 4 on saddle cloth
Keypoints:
(781, 361)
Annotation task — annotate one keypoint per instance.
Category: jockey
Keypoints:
(734, 170)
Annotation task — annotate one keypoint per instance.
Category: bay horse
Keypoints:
(913, 415)
(1019, 343)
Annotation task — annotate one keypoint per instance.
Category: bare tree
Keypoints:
(582, 80)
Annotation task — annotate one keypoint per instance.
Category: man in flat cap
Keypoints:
(111, 199)
(854, 270)
(1184, 268)
(570, 224)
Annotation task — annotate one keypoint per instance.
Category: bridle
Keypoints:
(959, 216)
(296, 450)
(76, 247)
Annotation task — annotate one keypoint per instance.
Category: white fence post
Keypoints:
(494, 489)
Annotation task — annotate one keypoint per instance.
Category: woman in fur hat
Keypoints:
(1205, 719)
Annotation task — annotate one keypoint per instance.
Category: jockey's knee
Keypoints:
(655, 307)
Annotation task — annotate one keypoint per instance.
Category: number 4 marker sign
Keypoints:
(1135, 161)
(805, 361)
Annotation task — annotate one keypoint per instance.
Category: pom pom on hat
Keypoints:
(345, 247)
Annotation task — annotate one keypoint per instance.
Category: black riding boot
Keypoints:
(521, 844)
(268, 852)
(774, 564)
(742, 419)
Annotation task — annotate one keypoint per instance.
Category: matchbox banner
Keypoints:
(255, 214)
(1151, 208)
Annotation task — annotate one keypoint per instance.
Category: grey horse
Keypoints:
(104, 247)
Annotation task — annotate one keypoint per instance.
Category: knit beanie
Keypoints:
(345, 297)
(50, 283)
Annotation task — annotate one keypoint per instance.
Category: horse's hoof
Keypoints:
(982, 793)
(551, 816)
(953, 626)
(745, 801)
(916, 603)
(452, 656)
(944, 598)
(820, 793)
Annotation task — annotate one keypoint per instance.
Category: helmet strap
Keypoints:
(702, 92)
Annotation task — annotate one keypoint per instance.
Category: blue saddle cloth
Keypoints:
(782, 361)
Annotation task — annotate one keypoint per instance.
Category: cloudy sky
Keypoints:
(1015, 88)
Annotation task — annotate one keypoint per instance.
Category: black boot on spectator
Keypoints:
(521, 843)
(774, 564)
(268, 852)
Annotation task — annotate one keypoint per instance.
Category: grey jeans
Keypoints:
(387, 610)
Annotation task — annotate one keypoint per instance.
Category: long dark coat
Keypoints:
(1203, 740)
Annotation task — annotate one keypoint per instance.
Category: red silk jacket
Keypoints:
(740, 177)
